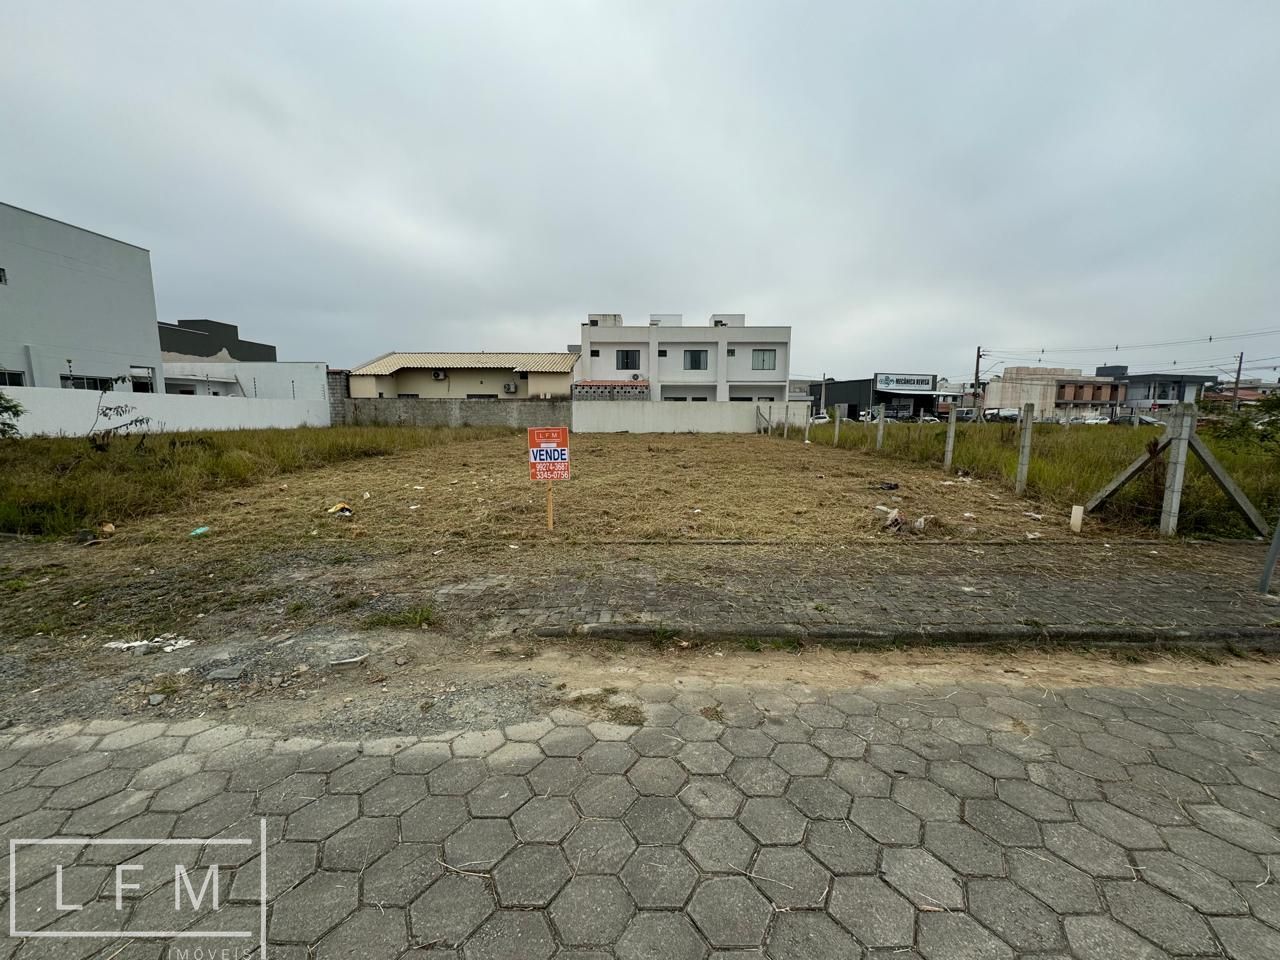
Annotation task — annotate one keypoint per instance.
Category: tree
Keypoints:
(10, 411)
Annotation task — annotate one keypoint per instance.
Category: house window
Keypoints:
(696, 399)
(406, 396)
(12, 378)
(695, 359)
(524, 375)
(731, 352)
(675, 398)
(764, 359)
(662, 353)
(4, 276)
(482, 396)
(73, 382)
(595, 353)
(628, 360)
(142, 379)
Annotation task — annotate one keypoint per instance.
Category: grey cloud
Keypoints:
(897, 181)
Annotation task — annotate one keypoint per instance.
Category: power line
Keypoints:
(1115, 347)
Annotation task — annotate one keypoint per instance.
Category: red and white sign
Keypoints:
(548, 453)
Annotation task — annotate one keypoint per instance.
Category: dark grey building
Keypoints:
(210, 340)
(1151, 391)
(904, 395)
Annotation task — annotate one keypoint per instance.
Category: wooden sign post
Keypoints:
(549, 460)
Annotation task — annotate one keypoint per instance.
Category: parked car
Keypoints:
(1126, 420)
(819, 418)
(925, 418)
(1097, 420)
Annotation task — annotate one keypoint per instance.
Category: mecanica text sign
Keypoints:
(905, 381)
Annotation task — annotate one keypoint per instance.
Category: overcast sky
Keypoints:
(898, 181)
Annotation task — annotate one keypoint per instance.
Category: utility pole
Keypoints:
(977, 364)
(1235, 400)
(822, 404)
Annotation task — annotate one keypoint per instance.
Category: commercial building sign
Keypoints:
(906, 382)
(548, 453)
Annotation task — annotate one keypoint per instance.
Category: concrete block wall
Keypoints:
(339, 388)
(457, 413)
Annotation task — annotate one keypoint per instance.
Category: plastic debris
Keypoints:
(919, 525)
(1034, 536)
(1077, 518)
(1033, 516)
(106, 529)
(883, 485)
(414, 506)
(969, 516)
(199, 532)
(892, 520)
(513, 546)
(418, 486)
(341, 509)
(436, 553)
(284, 486)
(348, 663)
(366, 495)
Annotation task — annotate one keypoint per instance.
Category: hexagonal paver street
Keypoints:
(980, 820)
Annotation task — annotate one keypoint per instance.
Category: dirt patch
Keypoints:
(284, 589)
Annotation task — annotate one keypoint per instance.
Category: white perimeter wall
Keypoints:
(289, 380)
(655, 416)
(52, 411)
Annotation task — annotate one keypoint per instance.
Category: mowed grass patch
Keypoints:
(52, 486)
(625, 489)
(1070, 464)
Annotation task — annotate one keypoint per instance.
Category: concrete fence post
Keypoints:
(835, 437)
(1184, 426)
(880, 427)
(951, 440)
(1268, 568)
(1024, 448)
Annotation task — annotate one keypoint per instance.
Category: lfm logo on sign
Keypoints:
(199, 891)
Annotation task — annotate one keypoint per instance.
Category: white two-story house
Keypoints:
(724, 360)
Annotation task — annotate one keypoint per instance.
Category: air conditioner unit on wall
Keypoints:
(508, 388)
(635, 376)
(438, 375)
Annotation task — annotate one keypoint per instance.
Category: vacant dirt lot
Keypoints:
(676, 488)
(657, 530)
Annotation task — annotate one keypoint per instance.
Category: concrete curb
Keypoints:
(1267, 638)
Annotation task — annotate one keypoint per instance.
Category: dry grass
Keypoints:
(1070, 464)
(626, 489)
(51, 486)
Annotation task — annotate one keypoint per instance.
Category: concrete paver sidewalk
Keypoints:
(982, 820)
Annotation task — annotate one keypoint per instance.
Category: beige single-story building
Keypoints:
(467, 376)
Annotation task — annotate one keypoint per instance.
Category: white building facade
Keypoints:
(77, 309)
(724, 360)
